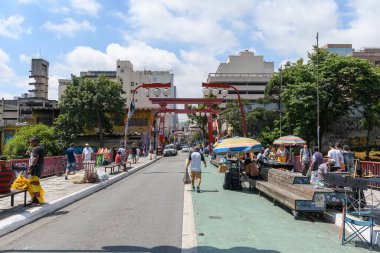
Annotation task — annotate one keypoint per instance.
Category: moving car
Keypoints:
(186, 149)
(170, 150)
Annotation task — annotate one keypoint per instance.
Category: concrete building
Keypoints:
(370, 54)
(248, 72)
(339, 49)
(30, 108)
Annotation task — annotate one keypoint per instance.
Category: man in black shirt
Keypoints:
(134, 153)
(37, 158)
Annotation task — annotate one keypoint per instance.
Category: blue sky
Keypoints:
(189, 37)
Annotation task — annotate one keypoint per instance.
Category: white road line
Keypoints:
(189, 238)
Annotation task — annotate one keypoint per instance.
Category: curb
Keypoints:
(18, 220)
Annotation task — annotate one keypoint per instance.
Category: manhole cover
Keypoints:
(215, 217)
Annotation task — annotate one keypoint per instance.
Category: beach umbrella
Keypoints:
(289, 140)
(237, 145)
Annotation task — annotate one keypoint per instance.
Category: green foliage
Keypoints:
(18, 145)
(88, 104)
(200, 121)
(231, 114)
(345, 83)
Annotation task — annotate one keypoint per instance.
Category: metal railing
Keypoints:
(241, 75)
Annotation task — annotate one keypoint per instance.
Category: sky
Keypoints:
(188, 37)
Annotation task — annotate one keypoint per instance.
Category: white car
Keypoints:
(185, 149)
(170, 150)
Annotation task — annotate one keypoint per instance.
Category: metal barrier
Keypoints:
(50, 163)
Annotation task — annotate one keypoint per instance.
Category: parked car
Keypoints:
(185, 149)
(170, 150)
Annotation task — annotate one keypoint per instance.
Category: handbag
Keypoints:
(186, 177)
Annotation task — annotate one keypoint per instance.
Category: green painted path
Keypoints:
(235, 221)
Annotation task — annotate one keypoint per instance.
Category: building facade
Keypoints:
(339, 49)
(370, 54)
(247, 72)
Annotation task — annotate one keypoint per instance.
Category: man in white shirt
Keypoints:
(195, 159)
(87, 151)
(336, 155)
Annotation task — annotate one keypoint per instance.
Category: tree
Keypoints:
(263, 123)
(232, 116)
(88, 104)
(18, 144)
(200, 121)
(366, 98)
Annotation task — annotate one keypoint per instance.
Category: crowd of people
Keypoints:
(314, 164)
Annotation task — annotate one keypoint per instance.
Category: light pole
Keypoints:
(318, 127)
(279, 97)
(224, 93)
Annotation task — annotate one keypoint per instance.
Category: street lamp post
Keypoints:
(228, 86)
(318, 127)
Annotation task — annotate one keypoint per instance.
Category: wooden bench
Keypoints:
(295, 192)
(118, 165)
(12, 195)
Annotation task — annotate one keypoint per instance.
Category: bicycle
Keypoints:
(60, 169)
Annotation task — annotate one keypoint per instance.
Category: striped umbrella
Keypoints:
(237, 145)
(289, 140)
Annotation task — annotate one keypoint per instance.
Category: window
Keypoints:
(132, 84)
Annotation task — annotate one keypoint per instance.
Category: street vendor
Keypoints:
(282, 154)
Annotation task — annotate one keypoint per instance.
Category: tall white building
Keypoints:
(131, 79)
(248, 72)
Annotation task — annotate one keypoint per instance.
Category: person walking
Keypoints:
(336, 155)
(122, 152)
(86, 154)
(349, 159)
(134, 153)
(195, 159)
(317, 159)
(305, 159)
(71, 160)
(37, 158)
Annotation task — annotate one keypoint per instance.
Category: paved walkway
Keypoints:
(58, 192)
(235, 221)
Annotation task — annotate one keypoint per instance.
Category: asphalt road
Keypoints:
(141, 213)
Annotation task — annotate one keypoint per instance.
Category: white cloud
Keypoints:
(291, 26)
(86, 6)
(69, 27)
(190, 69)
(11, 26)
(25, 58)
(208, 24)
(5, 71)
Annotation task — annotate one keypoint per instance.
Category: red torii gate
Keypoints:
(208, 102)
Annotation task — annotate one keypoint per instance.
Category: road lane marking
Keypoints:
(189, 238)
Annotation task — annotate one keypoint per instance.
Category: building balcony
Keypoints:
(238, 77)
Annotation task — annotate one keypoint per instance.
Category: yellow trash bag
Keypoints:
(35, 189)
(20, 183)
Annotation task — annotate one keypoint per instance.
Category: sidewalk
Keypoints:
(58, 193)
(242, 221)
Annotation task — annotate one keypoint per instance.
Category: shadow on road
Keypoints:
(159, 249)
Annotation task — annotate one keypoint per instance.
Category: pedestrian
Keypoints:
(134, 153)
(118, 159)
(37, 158)
(272, 154)
(122, 152)
(71, 160)
(324, 168)
(349, 159)
(86, 154)
(305, 159)
(267, 151)
(113, 153)
(195, 158)
(317, 159)
(138, 154)
(336, 155)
